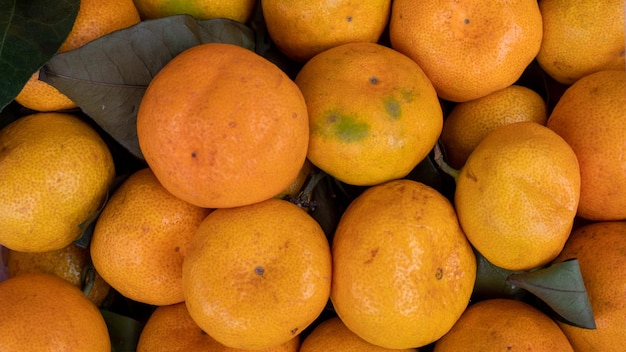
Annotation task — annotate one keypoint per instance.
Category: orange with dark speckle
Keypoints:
(403, 271)
(221, 126)
(257, 275)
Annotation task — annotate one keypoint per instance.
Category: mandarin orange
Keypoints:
(591, 117)
(600, 249)
(469, 122)
(95, 19)
(257, 275)
(581, 37)
(301, 29)
(332, 335)
(141, 238)
(43, 312)
(468, 48)
(56, 173)
(495, 325)
(236, 10)
(403, 271)
(517, 195)
(72, 263)
(373, 113)
(171, 329)
(221, 126)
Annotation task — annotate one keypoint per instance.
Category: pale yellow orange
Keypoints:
(72, 263)
(236, 10)
(403, 271)
(581, 37)
(40, 96)
(517, 195)
(301, 29)
(469, 122)
(95, 18)
(56, 173)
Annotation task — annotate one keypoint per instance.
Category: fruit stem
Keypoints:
(303, 199)
(439, 159)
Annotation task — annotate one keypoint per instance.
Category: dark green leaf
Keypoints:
(428, 173)
(11, 112)
(562, 288)
(331, 200)
(31, 32)
(108, 77)
(491, 281)
(123, 331)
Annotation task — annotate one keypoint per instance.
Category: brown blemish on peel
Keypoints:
(373, 253)
(439, 274)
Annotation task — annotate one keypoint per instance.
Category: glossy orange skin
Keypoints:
(257, 275)
(403, 270)
(221, 126)
(468, 48)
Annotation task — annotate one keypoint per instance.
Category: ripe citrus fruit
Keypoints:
(373, 113)
(403, 271)
(171, 329)
(43, 312)
(517, 195)
(141, 238)
(591, 117)
(581, 37)
(468, 48)
(40, 96)
(56, 171)
(237, 10)
(276, 262)
(332, 335)
(72, 263)
(221, 126)
(503, 325)
(301, 29)
(95, 19)
(469, 122)
(601, 251)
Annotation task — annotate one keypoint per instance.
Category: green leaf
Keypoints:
(31, 32)
(491, 281)
(124, 332)
(561, 287)
(107, 77)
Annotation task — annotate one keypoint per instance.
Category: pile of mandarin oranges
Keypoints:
(215, 229)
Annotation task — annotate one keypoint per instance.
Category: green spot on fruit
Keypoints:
(346, 128)
(407, 95)
(392, 106)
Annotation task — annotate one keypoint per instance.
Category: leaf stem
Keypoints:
(439, 159)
